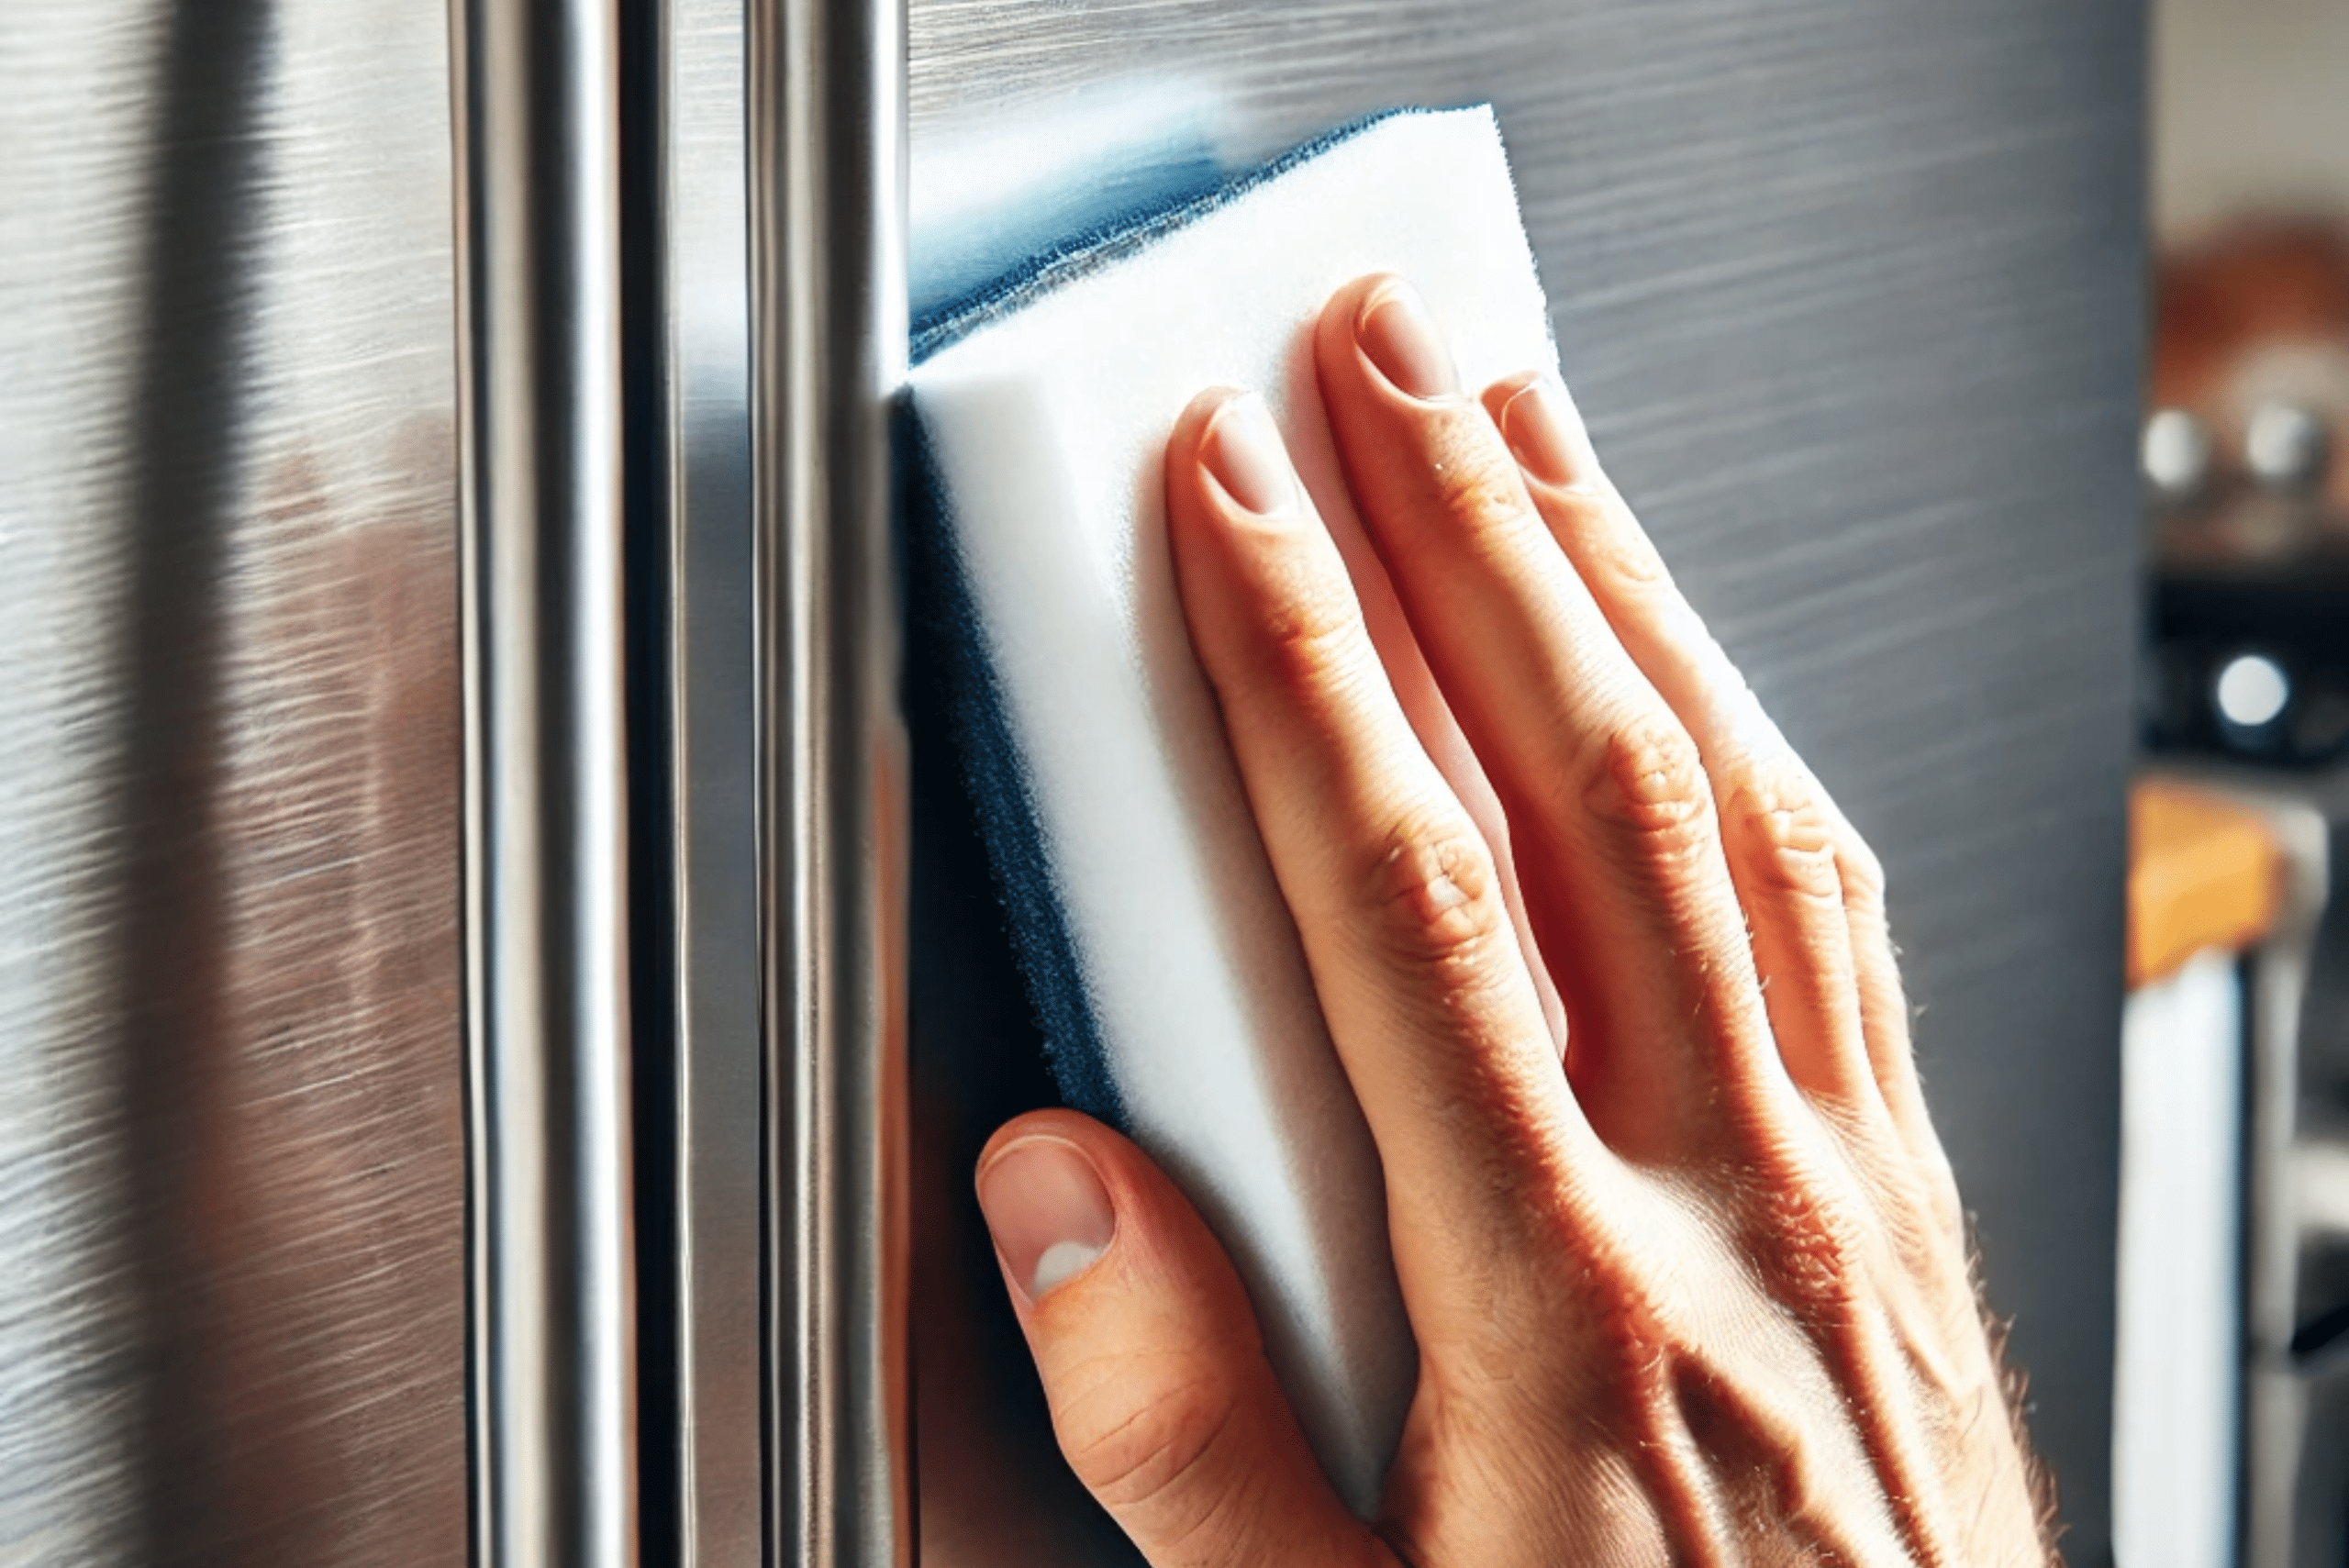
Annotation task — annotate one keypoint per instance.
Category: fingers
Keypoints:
(1151, 1358)
(1811, 891)
(1621, 855)
(1396, 894)
(1776, 831)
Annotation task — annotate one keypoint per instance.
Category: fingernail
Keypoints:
(1539, 423)
(1048, 1211)
(1245, 453)
(1400, 338)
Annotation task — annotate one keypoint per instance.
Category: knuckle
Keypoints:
(1789, 839)
(1435, 894)
(1311, 632)
(1144, 1441)
(1648, 779)
(1813, 1234)
(1477, 486)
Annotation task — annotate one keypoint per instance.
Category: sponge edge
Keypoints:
(1043, 417)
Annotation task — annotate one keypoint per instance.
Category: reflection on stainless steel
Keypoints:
(553, 1390)
(829, 296)
(1836, 285)
(73, 135)
(702, 332)
(232, 1314)
(1848, 293)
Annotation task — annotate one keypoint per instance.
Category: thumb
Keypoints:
(1151, 1357)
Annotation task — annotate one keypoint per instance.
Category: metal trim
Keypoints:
(552, 1384)
(828, 120)
(698, 819)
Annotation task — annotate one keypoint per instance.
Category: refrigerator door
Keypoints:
(231, 1306)
(1848, 290)
(1849, 293)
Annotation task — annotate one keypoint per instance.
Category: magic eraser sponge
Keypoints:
(1165, 966)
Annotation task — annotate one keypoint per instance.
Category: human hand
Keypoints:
(1699, 1295)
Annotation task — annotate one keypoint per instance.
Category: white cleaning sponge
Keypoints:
(1168, 969)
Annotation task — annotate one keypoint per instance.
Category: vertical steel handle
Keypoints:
(552, 1375)
(541, 300)
(828, 312)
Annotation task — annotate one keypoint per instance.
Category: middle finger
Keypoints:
(1621, 860)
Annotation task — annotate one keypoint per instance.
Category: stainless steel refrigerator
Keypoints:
(496, 1002)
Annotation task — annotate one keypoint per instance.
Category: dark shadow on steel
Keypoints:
(197, 324)
(655, 798)
(684, 272)
(828, 303)
(552, 1377)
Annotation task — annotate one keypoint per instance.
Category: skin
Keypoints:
(1610, 974)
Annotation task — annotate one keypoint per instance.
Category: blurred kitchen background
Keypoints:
(2232, 1441)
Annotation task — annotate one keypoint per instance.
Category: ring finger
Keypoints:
(1623, 871)
(1802, 876)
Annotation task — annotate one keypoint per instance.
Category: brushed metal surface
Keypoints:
(1847, 287)
(829, 325)
(74, 140)
(1850, 291)
(232, 1318)
(553, 1349)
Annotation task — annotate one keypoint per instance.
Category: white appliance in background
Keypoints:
(2178, 1379)
(2230, 1441)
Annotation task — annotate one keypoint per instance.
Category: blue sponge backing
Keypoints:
(1163, 962)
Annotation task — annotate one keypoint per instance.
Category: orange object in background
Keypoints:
(2256, 318)
(2203, 873)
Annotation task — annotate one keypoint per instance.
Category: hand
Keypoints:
(1699, 1291)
